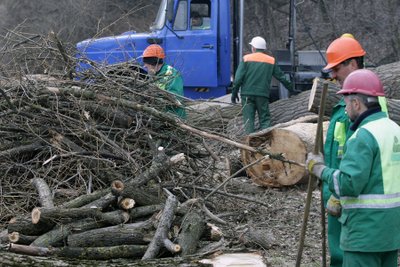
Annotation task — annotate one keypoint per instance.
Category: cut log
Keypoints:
(62, 215)
(192, 229)
(60, 232)
(143, 211)
(160, 238)
(23, 225)
(126, 234)
(45, 196)
(18, 238)
(293, 142)
(84, 199)
(95, 253)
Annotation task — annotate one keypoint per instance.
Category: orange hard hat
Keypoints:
(341, 49)
(154, 50)
(364, 82)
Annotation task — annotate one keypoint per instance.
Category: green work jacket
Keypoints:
(255, 73)
(336, 136)
(368, 185)
(171, 80)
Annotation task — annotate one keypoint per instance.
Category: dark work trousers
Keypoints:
(252, 105)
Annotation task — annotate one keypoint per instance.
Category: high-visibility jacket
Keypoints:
(170, 79)
(254, 75)
(368, 184)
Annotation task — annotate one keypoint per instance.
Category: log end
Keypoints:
(35, 215)
(117, 187)
(13, 237)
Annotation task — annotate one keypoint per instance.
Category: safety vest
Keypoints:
(339, 134)
(389, 147)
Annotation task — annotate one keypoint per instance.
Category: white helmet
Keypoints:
(258, 43)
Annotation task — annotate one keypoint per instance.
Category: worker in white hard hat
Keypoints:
(253, 78)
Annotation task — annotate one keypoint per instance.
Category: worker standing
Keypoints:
(367, 181)
(344, 55)
(253, 78)
(168, 78)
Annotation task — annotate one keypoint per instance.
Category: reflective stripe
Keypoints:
(336, 182)
(371, 201)
(383, 103)
(339, 135)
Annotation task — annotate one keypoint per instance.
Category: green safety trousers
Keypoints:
(334, 228)
(370, 259)
(251, 105)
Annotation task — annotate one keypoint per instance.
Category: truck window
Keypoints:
(160, 19)
(200, 14)
(181, 18)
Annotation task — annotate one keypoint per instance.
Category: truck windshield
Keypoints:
(160, 19)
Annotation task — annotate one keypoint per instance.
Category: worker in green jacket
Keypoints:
(344, 55)
(168, 78)
(253, 78)
(367, 181)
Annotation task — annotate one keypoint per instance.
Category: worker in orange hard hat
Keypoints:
(345, 55)
(168, 78)
(367, 179)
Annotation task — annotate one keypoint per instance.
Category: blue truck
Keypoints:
(206, 54)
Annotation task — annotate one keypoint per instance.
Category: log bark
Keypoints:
(102, 202)
(84, 199)
(294, 142)
(59, 233)
(160, 238)
(45, 196)
(192, 229)
(143, 211)
(126, 234)
(95, 253)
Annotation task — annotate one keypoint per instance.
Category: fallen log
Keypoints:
(93, 253)
(60, 232)
(62, 215)
(126, 234)
(192, 229)
(294, 142)
(45, 196)
(24, 225)
(18, 238)
(160, 238)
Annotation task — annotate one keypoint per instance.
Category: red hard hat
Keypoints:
(341, 49)
(154, 50)
(363, 82)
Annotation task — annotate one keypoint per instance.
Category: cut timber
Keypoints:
(293, 142)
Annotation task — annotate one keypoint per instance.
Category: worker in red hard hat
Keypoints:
(344, 55)
(168, 78)
(367, 182)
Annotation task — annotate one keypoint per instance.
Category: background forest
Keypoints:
(374, 23)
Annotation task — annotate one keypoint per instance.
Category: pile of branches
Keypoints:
(101, 150)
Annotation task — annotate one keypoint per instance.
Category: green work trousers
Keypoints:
(336, 253)
(252, 105)
(370, 259)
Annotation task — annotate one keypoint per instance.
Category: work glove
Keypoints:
(333, 206)
(315, 164)
(235, 97)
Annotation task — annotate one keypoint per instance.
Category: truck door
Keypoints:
(192, 45)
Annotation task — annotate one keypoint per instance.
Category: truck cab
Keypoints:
(196, 36)
(200, 42)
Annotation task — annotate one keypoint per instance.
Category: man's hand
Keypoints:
(315, 164)
(234, 97)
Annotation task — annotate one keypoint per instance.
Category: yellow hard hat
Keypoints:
(349, 35)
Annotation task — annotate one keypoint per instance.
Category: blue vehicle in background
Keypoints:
(206, 54)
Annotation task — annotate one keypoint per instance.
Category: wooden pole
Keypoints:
(311, 180)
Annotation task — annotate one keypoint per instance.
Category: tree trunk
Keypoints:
(294, 142)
